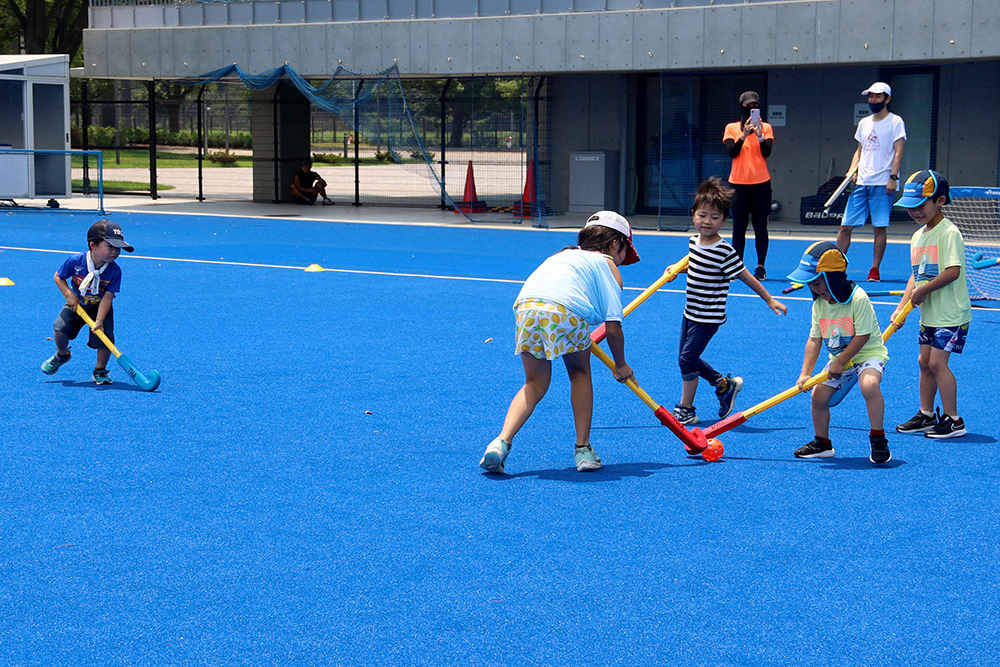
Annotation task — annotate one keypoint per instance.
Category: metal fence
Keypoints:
(165, 139)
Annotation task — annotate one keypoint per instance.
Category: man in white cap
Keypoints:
(881, 137)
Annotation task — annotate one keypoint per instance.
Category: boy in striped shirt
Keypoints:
(713, 265)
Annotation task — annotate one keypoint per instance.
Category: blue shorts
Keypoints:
(949, 339)
(865, 200)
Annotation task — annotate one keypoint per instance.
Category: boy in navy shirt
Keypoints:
(90, 279)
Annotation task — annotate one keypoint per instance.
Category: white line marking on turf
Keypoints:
(399, 275)
(282, 266)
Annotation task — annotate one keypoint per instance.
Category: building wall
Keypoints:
(587, 114)
(969, 124)
(721, 36)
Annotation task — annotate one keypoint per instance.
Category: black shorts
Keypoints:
(69, 323)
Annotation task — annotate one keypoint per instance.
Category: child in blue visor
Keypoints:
(843, 317)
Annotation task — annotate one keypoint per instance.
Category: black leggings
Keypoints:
(751, 201)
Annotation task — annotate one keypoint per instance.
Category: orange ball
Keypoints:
(714, 451)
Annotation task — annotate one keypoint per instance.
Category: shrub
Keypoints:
(388, 156)
(225, 158)
(326, 158)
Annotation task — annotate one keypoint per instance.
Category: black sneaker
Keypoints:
(727, 397)
(685, 415)
(918, 423)
(880, 449)
(947, 428)
(759, 273)
(815, 450)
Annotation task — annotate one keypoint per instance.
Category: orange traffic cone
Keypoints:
(470, 201)
(526, 207)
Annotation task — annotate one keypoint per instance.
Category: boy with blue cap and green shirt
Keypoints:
(843, 317)
(937, 286)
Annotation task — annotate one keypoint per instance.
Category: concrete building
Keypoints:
(624, 75)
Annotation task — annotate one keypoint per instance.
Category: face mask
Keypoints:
(876, 106)
(746, 113)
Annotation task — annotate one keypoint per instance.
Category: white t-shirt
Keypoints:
(878, 147)
(582, 281)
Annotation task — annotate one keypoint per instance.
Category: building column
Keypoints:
(279, 127)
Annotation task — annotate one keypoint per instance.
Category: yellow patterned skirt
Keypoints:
(548, 330)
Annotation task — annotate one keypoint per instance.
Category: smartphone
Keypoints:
(755, 116)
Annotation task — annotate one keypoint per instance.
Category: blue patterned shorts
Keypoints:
(949, 339)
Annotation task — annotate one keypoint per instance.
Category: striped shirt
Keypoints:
(709, 274)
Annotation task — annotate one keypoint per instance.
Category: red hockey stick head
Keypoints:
(694, 441)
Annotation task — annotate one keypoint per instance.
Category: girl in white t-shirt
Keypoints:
(571, 291)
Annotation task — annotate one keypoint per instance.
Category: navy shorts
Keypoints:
(69, 323)
(949, 339)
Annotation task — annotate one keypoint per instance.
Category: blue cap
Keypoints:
(921, 186)
(818, 258)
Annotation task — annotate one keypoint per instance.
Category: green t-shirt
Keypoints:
(839, 323)
(931, 252)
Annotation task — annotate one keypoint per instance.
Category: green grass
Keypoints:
(134, 158)
(118, 187)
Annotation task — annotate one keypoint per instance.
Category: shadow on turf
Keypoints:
(116, 386)
(858, 463)
(614, 472)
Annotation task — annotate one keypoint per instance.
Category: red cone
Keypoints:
(526, 207)
(470, 201)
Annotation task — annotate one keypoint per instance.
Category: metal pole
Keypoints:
(537, 214)
(274, 159)
(200, 106)
(85, 109)
(357, 140)
(152, 139)
(444, 107)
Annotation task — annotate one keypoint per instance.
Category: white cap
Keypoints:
(618, 223)
(878, 87)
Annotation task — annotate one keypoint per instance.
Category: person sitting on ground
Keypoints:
(308, 185)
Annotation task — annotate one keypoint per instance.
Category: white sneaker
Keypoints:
(327, 202)
(495, 456)
(586, 459)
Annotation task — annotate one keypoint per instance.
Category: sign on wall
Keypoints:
(776, 114)
(860, 111)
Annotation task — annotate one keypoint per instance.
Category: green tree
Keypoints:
(468, 100)
(47, 26)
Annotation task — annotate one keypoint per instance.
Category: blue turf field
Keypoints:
(251, 512)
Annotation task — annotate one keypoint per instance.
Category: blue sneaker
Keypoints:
(101, 376)
(495, 456)
(586, 459)
(53, 363)
(727, 397)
